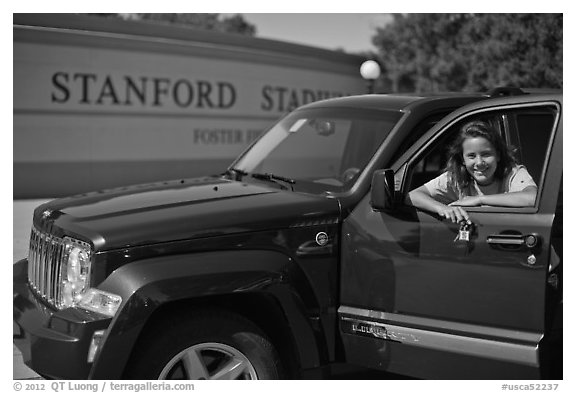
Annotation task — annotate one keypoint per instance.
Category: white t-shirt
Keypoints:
(447, 192)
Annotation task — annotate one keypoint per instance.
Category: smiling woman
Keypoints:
(481, 170)
(480, 160)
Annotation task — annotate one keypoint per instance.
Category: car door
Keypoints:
(414, 301)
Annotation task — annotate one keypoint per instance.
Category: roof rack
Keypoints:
(504, 91)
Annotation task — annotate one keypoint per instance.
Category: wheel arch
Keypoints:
(265, 287)
(259, 308)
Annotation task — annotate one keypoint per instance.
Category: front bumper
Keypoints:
(53, 343)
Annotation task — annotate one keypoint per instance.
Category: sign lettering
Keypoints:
(283, 99)
(224, 136)
(91, 89)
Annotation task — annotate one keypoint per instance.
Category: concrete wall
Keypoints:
(100, 103)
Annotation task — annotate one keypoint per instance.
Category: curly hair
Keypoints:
(455, 166)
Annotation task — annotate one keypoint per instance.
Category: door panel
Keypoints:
(408, 288)
(376, 246)
(481, 283)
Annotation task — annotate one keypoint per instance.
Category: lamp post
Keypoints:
(370, 71)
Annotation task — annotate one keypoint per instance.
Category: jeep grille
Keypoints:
(46, 261)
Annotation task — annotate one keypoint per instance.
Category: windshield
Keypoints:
(319, 150)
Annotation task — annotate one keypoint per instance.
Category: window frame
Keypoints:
(403, 174)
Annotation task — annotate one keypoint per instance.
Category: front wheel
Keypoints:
(209, 346)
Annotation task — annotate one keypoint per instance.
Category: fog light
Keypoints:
(97, 338)
(99, 301)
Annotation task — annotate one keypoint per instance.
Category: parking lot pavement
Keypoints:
(22, 221)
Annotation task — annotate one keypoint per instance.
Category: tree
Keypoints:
(230, 24)
(432, 52)
(235, 24)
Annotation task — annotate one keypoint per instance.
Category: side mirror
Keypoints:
(383, 191)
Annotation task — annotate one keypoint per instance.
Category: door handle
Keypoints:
(530, 240)
(511, 240)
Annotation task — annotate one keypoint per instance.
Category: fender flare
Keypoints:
(149, 284)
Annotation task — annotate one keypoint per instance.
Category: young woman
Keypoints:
(481, 170)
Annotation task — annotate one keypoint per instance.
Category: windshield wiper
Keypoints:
(237, 174)
(272, 177)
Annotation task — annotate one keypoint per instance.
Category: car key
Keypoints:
(464, 232)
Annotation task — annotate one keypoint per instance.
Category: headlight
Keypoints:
(76, 291)
(76, 271)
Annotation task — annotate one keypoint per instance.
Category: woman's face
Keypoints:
(480, 159)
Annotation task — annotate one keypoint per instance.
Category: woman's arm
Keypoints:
(421, 198)
(524, 198)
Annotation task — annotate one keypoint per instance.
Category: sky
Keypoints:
(352, 32)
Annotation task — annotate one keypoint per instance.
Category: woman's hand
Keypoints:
(453, 213)
(468, 201)
(421, 198)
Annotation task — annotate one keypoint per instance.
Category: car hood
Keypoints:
(178, 210)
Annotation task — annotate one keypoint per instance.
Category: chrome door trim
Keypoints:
(487, 342)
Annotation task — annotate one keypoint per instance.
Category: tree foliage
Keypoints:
(235, 24)
(227, 24)
(472, 52)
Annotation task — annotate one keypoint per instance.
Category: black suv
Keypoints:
(303, 255)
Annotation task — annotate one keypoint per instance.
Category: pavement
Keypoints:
(22, 222)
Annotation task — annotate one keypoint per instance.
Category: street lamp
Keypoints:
(370, 71)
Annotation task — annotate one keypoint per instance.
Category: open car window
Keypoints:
(529, 130)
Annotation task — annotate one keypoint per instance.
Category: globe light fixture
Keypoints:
(370, 71)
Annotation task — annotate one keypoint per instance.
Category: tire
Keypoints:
(206, 346)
